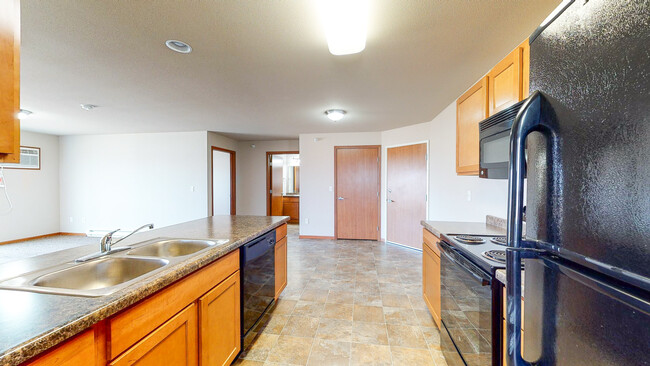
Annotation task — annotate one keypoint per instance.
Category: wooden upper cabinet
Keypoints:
(471, 108)
(505, 82)
(9, 81)
(173, 343)
(525, 68)
(220, 325)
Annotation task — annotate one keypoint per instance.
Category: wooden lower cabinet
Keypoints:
(219, 335)
(173, 343)
(80, 350)
(291, 208)
(193, 321)
(280, 260)
(503, 329)
(280, 266)
(431, 275)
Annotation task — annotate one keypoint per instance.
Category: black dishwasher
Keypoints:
(258, 273)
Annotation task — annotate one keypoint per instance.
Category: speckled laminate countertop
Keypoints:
(454, 227)
(31, 323)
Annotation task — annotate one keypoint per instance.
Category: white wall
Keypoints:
(317, 177)
(124, 181)
(448, 192)
(34, 193)
(251, 173)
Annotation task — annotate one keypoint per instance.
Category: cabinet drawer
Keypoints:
(131, 325)
(173, 343)
(79, 350)
(280, 232)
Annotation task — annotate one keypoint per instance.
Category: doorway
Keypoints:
(223, 181)
(406, 194)
(283, 184)
(357, 183)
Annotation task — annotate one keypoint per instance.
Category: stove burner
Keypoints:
(496, 255)
(470, 239)
(501, 240)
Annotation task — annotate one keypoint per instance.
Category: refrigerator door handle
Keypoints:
(536, 114)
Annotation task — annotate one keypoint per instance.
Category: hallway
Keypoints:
(347, 303)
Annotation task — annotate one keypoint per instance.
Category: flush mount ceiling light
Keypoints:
(346, 24)
(24, 113)
(87, 107)
(178, 46)
(335, 114)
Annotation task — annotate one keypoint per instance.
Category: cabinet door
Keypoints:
(280, 266)
(9, 81)
(219, 317)
(173, 343)
(471, 108)
(431, 279)
(505, 82)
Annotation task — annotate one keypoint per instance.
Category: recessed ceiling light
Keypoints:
(24, 113)
(335, 114)
(87, 107)
(346, 24)
(178, 46)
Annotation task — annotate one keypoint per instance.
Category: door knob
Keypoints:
(340, 198)
(390, 200)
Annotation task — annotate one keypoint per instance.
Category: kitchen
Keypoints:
(339, 287)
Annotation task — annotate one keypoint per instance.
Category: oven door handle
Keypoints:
(470, 268)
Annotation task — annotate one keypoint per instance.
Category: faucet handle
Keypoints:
(108, 237)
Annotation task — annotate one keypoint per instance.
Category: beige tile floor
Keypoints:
(347, 303)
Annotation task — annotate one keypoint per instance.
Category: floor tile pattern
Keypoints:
(347, 302)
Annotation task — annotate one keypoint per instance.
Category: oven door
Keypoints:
(466, 310)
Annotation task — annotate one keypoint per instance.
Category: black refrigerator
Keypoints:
(583, 140)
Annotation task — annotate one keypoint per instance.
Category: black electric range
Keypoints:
(470, 298)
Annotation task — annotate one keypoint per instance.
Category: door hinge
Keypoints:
(377, 228)
(270, 191)
(377, 194)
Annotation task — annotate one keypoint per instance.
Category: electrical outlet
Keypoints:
(71, 219)
(306, 221)
(469, 195)
(191, 188)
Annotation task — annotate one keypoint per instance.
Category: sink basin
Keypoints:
(99, 274)
(174, 247)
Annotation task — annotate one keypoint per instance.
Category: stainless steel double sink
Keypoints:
(108, 274)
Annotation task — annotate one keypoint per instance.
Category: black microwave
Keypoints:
(494, 143)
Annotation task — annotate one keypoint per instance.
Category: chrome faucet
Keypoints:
(106, 244)
(107, 240)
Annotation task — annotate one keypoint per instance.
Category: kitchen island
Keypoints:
(127, 322)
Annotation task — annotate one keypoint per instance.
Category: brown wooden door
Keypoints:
(406, 194)
(471, 108)
(276, 185)
(505, 82)
(357, 192)
(173, 343)
(219, 317)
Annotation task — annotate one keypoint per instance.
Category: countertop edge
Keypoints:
(123, 299)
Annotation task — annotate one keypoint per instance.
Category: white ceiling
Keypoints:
(259, 69)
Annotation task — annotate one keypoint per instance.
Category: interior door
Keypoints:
(277, 163)
(357, 192)
(406, 194)
(221, 194)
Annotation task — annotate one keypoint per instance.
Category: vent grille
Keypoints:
(505, 115)
(30, 158)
